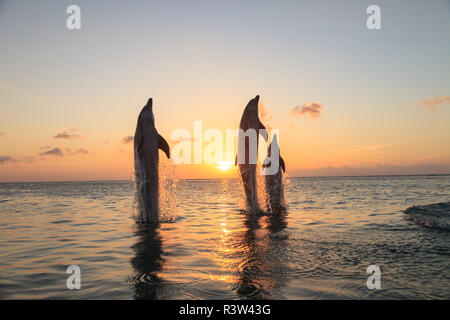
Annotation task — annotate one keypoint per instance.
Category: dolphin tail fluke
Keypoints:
(164, 146)
(283, 166)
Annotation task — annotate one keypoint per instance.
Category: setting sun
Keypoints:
(224, 165)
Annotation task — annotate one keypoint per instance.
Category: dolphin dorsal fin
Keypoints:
(164, 146)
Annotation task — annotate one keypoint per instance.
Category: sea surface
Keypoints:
(334, 228)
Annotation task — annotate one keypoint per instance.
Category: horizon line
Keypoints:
(301, 177)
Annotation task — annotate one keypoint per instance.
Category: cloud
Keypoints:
(59, 153)
(52, 152)
(48, 151)
(78, 151)
(9, 159)
(311, 109)
(378, 169)
(433, 103)
(127, 139)
(6, 159)
(1, 133)
(67, 135)
(81, 151)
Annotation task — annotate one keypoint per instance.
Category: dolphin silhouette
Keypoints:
(273, 182)
(246, 157)
(147, 141)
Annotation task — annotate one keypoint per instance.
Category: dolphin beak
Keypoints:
(150, 102)
(257, 98)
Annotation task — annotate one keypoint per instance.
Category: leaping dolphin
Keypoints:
(247, 152)
(147, 141)
(273, 180)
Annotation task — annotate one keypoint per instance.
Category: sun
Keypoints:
(224, 165)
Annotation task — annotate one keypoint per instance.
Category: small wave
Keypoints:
(61, 221)
(435, 215)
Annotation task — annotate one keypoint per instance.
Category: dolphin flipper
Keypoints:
(164, 146)
(263, 133)
(283, 166)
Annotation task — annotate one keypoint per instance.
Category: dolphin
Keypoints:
(273, 182)
(247, 167)
(147, 141)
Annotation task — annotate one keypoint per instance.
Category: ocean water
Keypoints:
(334, 228)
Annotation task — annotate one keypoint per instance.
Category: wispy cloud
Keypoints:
(10, 159)
(48, 151)
(7, 159)
(59, 153)
(127, 139)
(312, 109)
(81, 151)
(68, 135)
(52, 152)
(432, 104)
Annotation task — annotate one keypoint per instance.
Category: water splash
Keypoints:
(263, 198)
(139, 178)
(260, 191)
(286, 184)
(167, 191)
(278, 182)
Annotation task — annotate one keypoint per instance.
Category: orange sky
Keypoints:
(347, 100)
(310, 147)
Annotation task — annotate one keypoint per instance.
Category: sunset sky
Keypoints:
(347, 100)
